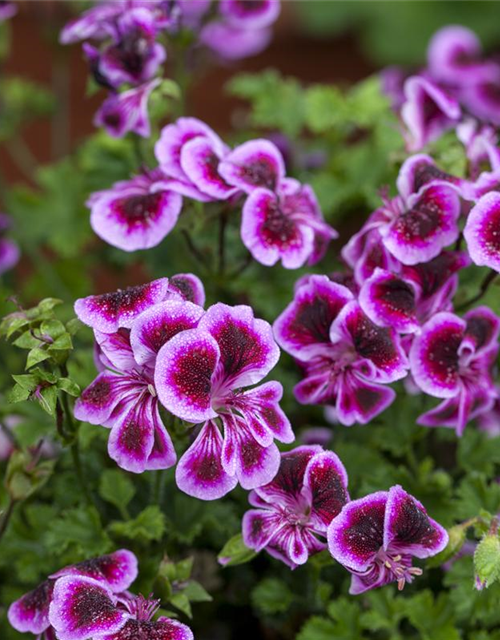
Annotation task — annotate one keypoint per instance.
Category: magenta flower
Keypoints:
(287, 225)
(233, 43)
(189, 152)
(482, 231)
(9, 251)
(254, 164)
(134, 57)
(201, 377)
(411, 229)
(83, 608)
(376, 537)
(452, 359)
(135, 214)
(95, 23)
(406, 300)
(346, 359)
(246, 15)
(427, 112)
(482, 97)
(127, 111)
(309, 490)
(31, 612)
(455, 56)
(7, 10)
(419, 171)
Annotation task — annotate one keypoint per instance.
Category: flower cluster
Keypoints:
(9, 251)
(374, 538)
(281, 218)
(90, 601)
(133, 36)
(156, 344)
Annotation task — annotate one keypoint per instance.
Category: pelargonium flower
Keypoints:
(285, 225)
(452, 359)
(427, 112)
(480, 142)
(127, 111)
(455, 56)
(420, 171)
(83, 608)
(134, 57)
(200, 376)
(482, 97)
(31, 612)
(135, 214)
(9, 251)
(296, 507)
(254, 15)
(7, 10)
(376, 537)
(411, 229)
(232, 43)
(346, 359)
(189, 152)
(408, 299)
(482, 231)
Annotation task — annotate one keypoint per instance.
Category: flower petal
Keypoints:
(357, 533)
(200, 472)
(257, 163)
(250, 15)
(158, 324)
(326, 480)
(303, 328)
(189, 287)
(110, 311)
(118, 570)
(359, 401)
(183, 375)
(30, 614)
(482, 231)
(259, 527)
(99, 399)
(261, 406)
(82, 607)
(161, 629)
(200, 162)
(409, 529)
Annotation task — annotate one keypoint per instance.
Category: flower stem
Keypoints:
(490, 276)
(193, 249)
(4, 523)
(77, 462)
(222, 242)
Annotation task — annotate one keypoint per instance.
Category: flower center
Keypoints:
(143, 609)
(399, 566)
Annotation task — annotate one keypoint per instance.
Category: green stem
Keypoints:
(4, 523)
(222, 242)
(193, 249)
(75, 453)
(490, 277)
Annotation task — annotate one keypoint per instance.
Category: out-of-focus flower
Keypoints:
(346, 359)
(7, 10)
(452, 359)
(135, 214)
(482, 231)
(293, 511)
(376, 537)
(127, 111)
(200, 377)
(9, 251)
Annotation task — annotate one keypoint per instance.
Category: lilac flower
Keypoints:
(452, 359)
(427, 112)
(134, 57)
(83, 608)
(31, 612)
(482, 231)
(287, 225)
(406, 300)
(200, 376)
(254, 15)
(483, 154)
(232, 43)
(135, 214)
(376, 537)
(482, 97)
(9, 251)
(346, 359)
(7, 10)
(254, 164)
(309, 490)
(189, 152)
(127, 111)
(455, 57)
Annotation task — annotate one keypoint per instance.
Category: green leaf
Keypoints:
(196, 593)
(35, 356)
(78, 531)
(148, 526)
(69, 386)
(116, 488)
(181, 602)
(318, 628)
(272, 596)
(235, 552)
(487, 559)
(17, 394)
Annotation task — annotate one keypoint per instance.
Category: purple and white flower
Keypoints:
(376, 537)
(254, 164)
(293, 511)
(135, 214)
(482, 231)
(7, 10)
(346, 359)
(255, 15)
(452, 359)
(9, 251)
(200, 376)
